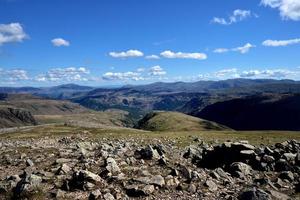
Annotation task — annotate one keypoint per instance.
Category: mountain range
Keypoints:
(272, 101)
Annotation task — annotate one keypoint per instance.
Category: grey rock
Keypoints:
(157, 180)
(90, 176)
(148, 189)
(62, 160)
(289, 156)
(186, 172)
(29, 163)
(267, 159)
(278, 195)
(254, 194)
(212, 186)
(60, 194)
(96, 194)
(192, 188)
(112, 167)
(287, 175)
(64, 169)
(108, 196)
(240, 170)
(147, 153)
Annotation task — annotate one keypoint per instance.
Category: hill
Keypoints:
(174, 121)
(14, 117)
(257, 112)
(41, 106)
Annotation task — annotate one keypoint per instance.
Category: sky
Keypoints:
(114, 42)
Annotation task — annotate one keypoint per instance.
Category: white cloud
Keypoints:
(65, 74)
(231, 73)
(243, 49)
(141, 69)
(289, 9)
(157, 71)
(170, 54)
(140, 74)
(152, 57)
(13, 75)
(12, 32)
(271, 73)
(277, 43)
(226, 73)
(127, 54)
(236, 16)
(58, 42)
(135, 76)
(221, 50)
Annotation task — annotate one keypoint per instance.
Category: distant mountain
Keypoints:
(186, 97)
(58, 92)
(258, 112)
(205, 86)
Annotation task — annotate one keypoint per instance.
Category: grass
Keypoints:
(175, 121)
(91, 119)
(181, 138)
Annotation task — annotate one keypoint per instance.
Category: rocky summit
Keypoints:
(75, 167)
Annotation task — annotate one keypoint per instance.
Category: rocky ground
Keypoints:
(76, 167)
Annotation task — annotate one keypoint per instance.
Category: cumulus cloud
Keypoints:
(270, 73)
(141, 69)
(10, 33)
(226, 73)
(243, 49)
(152, 57)
(221, 50)
(157, 71)
(139, 75)
(13, 75)
(277, 43)
(236, 16)
(58, 42)
(288, 9)
(170, 54)
(122, 76)
(65, 74)
(231, 73)
(127, 54)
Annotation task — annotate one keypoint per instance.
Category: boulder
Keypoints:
(157, 180)
(287, 175)
(108, 196)
(112, 167)
(254, 194)
(240, 170)
(147, 153)
(212, 186)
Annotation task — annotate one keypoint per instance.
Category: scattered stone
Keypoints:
(157, 180)
(147, 153)
(94, 195)
(108, 196)
(112, 167)
(64, 169)
(29, 163)
(211, 185)
(148, 189)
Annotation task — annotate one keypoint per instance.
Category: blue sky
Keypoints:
(111, 42)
